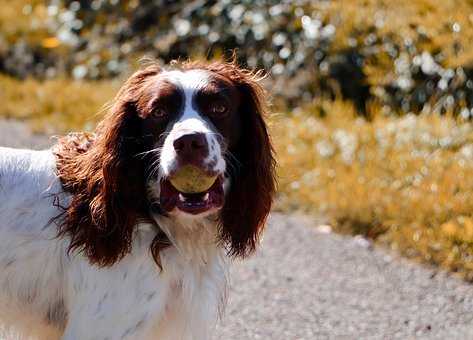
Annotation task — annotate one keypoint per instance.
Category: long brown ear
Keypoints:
(252, 188)
(106, 179)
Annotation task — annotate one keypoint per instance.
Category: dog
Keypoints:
(97, 243)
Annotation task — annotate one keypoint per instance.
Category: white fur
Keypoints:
(132, 299)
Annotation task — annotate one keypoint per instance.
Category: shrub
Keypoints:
(403, 55)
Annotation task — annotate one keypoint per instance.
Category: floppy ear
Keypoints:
(106, 180)
(249, 199)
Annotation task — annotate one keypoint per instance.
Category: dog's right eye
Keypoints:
(160, 112)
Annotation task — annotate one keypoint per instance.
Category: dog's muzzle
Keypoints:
(192, 150)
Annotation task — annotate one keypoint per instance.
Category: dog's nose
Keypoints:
(192, 146)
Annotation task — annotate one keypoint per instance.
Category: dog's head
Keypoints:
(206, 115)
(199, 109)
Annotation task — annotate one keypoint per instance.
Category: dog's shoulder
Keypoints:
(27, 177)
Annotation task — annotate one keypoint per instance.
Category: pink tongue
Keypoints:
(194, 198)
(169, 197)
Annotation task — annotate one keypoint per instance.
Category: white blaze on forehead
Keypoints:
(189, 81)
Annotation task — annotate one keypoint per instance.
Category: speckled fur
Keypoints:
(45, 294)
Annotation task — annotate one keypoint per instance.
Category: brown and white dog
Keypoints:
(96, 243)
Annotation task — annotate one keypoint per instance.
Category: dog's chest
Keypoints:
(195, 295)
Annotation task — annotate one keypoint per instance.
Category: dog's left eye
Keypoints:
(218, 109)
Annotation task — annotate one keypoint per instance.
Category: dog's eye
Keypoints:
(218, 109)
(160, 112)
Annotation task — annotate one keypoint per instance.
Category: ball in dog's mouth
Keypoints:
(190, 179)
(192, 191)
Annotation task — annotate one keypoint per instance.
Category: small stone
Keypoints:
(362, 242)
(324, 229)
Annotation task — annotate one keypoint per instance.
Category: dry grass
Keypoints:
(403, 181)
(54, 105)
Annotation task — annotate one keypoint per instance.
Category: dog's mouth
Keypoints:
(191, 203)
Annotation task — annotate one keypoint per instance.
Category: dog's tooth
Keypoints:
(182, 198)
(206, 197)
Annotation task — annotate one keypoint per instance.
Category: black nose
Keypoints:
(192, 146)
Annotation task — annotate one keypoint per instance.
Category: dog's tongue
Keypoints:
(171, 198)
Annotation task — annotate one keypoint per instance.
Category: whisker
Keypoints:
(233, 158)
(220, 139)
(164, 134)
(154, 164)
(157, 150)
(153, 168)
(233, 163)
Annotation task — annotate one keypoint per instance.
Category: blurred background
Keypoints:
(372, 100)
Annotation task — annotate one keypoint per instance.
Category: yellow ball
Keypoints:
(191, 180)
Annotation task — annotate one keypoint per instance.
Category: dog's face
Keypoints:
(194, 118)
(209, 116)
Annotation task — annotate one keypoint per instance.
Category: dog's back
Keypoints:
(28, 189)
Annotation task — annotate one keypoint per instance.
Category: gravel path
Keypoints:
(307, 283)
(16, 134)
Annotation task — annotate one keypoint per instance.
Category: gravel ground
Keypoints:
(307, 283)
(16, 134)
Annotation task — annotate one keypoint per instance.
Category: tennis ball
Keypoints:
(191, 180)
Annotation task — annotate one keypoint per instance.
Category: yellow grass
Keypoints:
(404, 181)
(55, 105)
